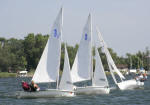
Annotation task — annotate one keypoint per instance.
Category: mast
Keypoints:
(130, 62)
(57, 82)
(92, 69)
(61, 25)
(91, 50)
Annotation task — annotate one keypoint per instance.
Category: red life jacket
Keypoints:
(25, 86)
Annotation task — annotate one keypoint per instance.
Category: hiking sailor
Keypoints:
(34, 86)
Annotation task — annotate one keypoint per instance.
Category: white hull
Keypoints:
(45, 94)
(92, 90)
(130, 84)
(140, 83)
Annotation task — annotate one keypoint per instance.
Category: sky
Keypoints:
(124, 24)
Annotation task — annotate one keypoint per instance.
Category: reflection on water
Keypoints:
(8, 87)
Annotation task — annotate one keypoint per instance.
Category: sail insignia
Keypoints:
(56, 33)
(102, 79)
(86, 36)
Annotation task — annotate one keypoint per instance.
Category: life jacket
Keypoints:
(25, 86)
(145, 75)
(33, 88)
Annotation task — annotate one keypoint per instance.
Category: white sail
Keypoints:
(100, 78)
(109, 58)
(48, 67)
(81, 69)
(66, 82)
(111, 71)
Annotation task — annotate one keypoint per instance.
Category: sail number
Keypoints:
(86, 37)
(56, 35)
(102, 79)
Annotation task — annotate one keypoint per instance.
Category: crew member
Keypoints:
(34, 86)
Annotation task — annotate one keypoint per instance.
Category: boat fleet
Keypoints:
(47, 70)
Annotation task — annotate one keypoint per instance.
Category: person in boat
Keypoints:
(26, 86)
(145, 76)
(74, 87)
(34, 86)
(140, 77)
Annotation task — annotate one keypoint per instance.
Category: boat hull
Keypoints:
(92, 90)
(45, 94)
(130, 84)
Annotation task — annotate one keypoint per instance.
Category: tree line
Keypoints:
(21, 54)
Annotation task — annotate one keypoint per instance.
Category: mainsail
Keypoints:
(100, 78)
(109, 58)
(81, 69)
(48, 67)
(66, 82)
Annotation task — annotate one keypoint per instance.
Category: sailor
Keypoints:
(25, 86)
(141, 77)
(74, 87)
(34, 86)
(145, 76)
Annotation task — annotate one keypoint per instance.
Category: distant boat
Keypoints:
(82, 68)
(124, 84)
(131, 69)
(22, 73)
(47, 70)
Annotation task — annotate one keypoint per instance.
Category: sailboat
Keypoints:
(99, 80)
(131, 69)
(47, 70)
(124, 84)
(82, 69)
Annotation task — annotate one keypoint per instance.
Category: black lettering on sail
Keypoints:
(102, 79)
(68, 82)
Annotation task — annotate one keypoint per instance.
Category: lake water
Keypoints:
(8, 87)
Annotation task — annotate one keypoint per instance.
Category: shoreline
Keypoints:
(31, 73)
(8, 75)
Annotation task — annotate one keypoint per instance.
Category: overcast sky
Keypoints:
(124, 24)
